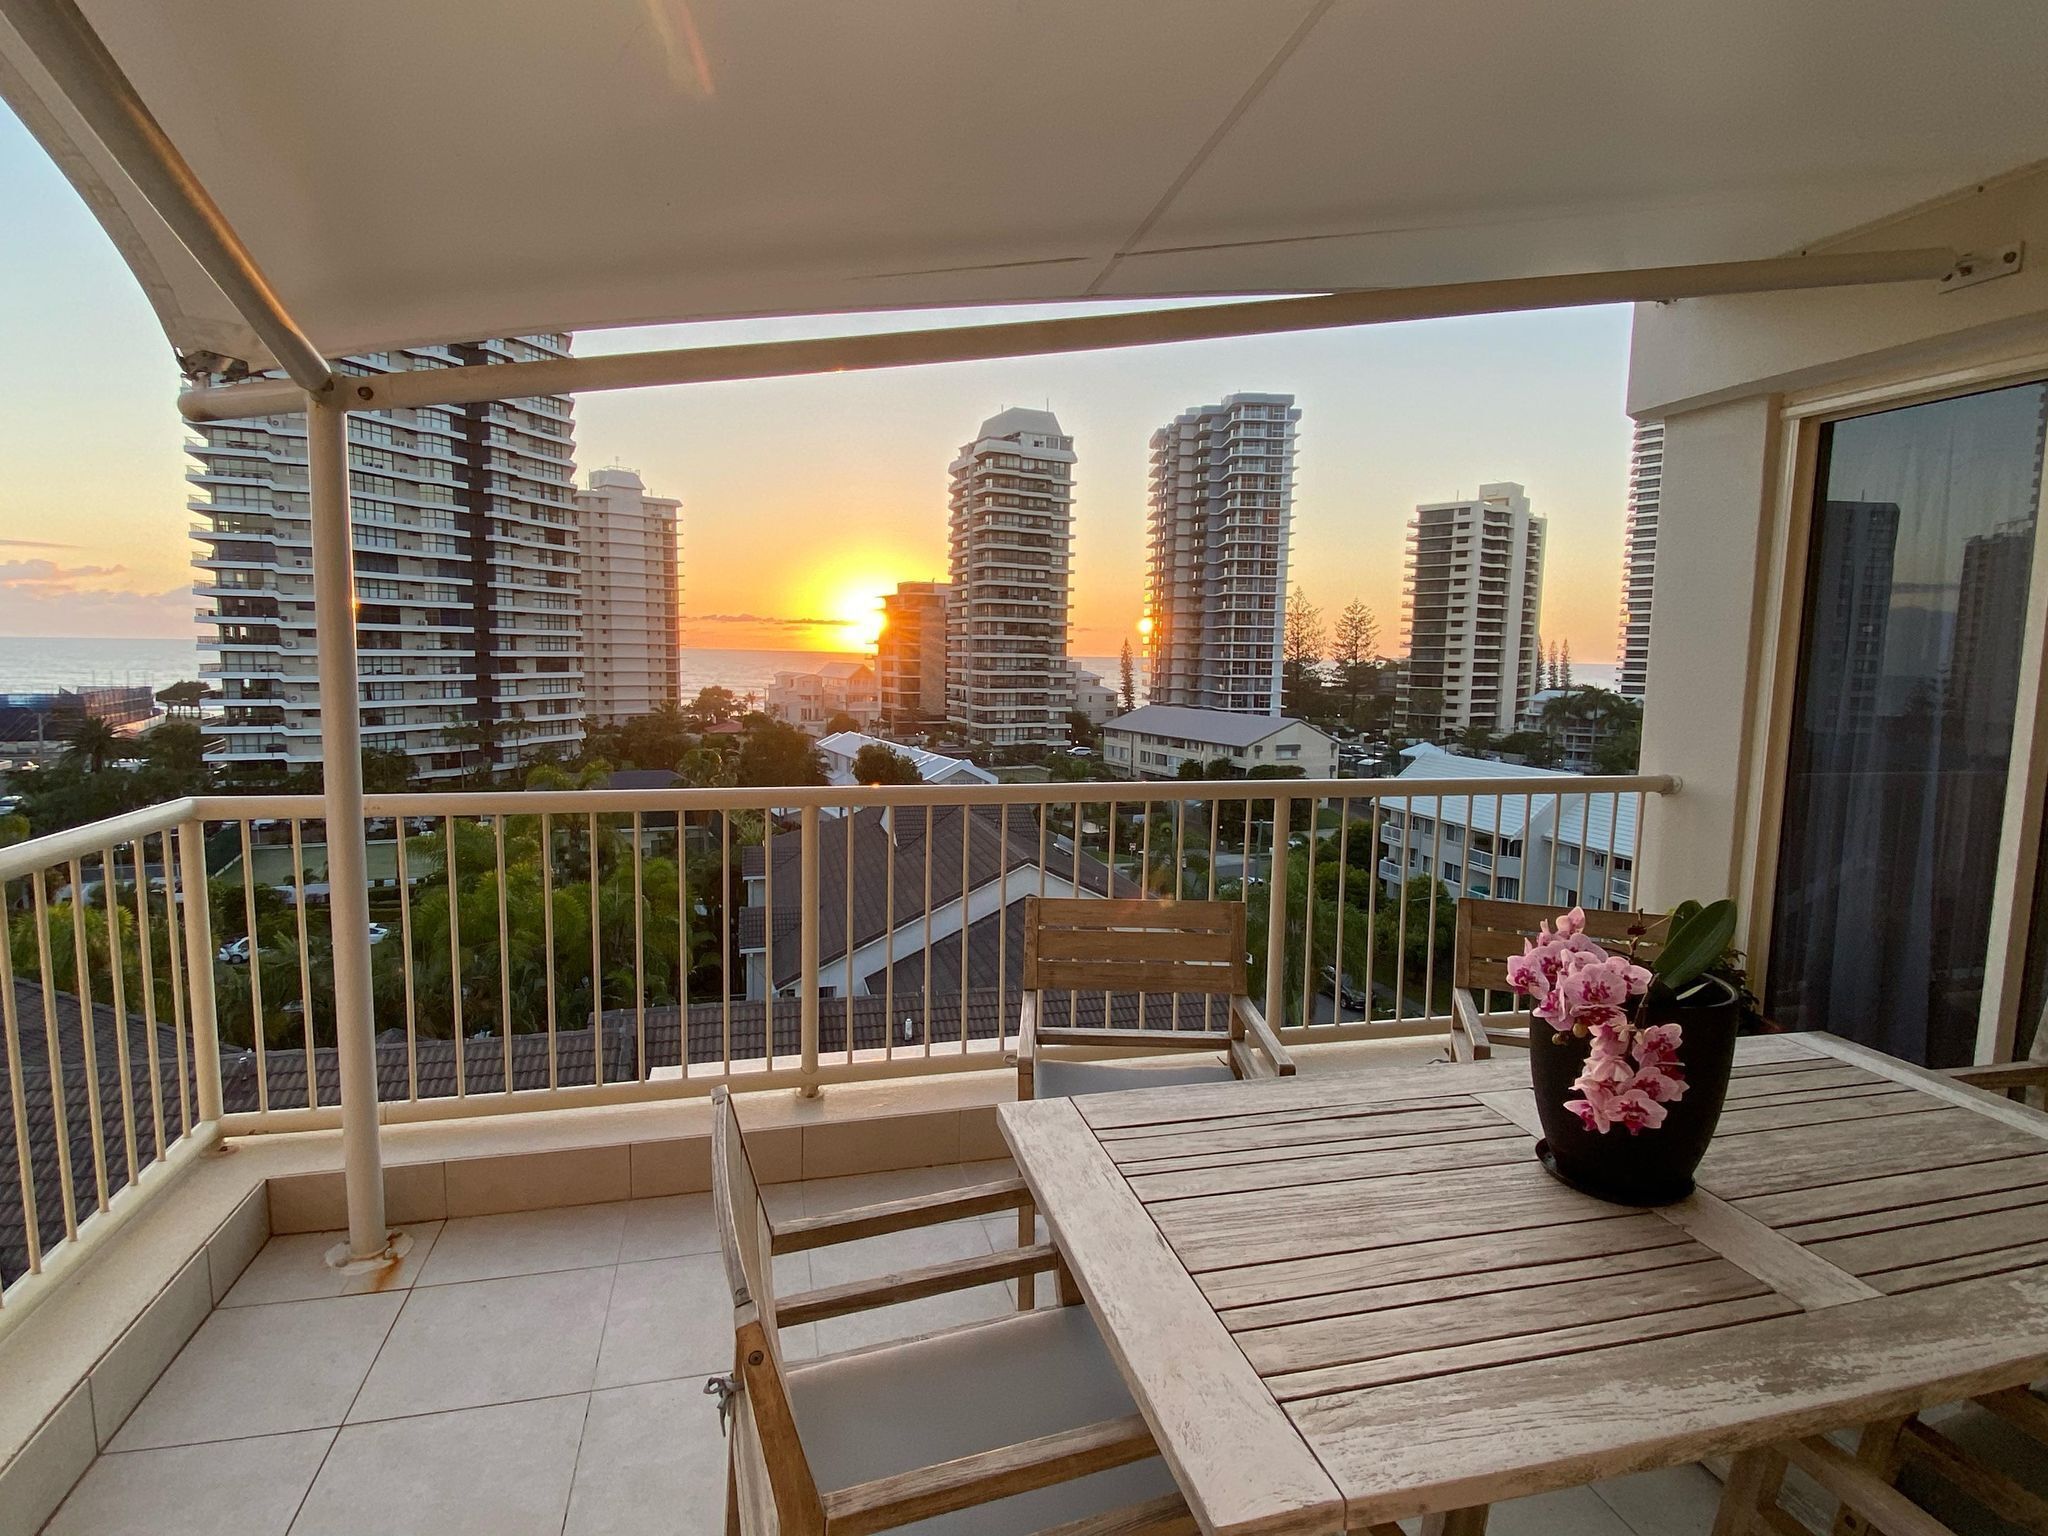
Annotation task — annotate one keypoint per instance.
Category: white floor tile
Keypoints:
(1675, 1501)
(1569, 1512)
(668, 1228)
(525, 1243)
(652, 1464)
(489, 1341)
(295, 1268)
(243, 1487)
(263, 1370)
(498, 1471)
(668, 1318)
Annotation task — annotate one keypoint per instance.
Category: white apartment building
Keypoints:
(810, 701)
(1011, 535)
(1152, 742)
(1562, 850)
(1093, 698)
(1222, 513)
(466, 576)
(632, 597)
(910, 654)
(1473, 601)
(1639, 558)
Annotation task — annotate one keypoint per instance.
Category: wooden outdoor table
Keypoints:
(1349, 1299)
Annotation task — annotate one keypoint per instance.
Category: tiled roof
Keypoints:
(1211, 727)
(877, 908)
(40, 1113)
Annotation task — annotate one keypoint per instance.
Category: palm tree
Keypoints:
(92, 742)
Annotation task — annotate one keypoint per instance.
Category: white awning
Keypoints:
(410, 171)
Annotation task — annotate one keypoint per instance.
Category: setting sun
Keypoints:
(859, 612)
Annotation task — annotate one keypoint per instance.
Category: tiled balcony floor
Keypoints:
(543, 1373)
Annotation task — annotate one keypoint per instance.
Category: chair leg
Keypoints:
(1752, 1485)
(1458, 1522)
(1027, 1234)
(1070, 1291)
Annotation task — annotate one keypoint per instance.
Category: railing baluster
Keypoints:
(405, 966)
(851, 818)
(1372, 908)
(597, 967)
(1343, 886)
(1436, 881)
(682, 958)
(88, 1044)
(1401, 912)
(505, 943)
(889, 933)
(966, 889)
(1180, 849)
(724, 942)
(255, 970)
(17, 1095)
(1308, 919)
(117, 984)
(305, 963)
(929, 981)
(145, 965)
(639, 958)
(809, 905)
(1003, 925)
(1276, 914)
(547, 939)
(457, 1032)
(53, 1044)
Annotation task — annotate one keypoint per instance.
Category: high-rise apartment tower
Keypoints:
(632, 597)
(467, 625)
(1473, 603)
(1222, 510)
(1007, 683)
(910, 655)
(1639, 557)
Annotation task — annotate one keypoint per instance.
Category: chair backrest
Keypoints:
(1490, 933)
(769, 1465)
(1101, 945)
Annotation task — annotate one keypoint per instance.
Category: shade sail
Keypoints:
(408, 172)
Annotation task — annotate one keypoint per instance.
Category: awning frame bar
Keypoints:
(65, 44)
(1081, 333)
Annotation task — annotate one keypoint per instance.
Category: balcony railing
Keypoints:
(166, 976)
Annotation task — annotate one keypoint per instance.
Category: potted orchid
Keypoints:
(1630, 1054)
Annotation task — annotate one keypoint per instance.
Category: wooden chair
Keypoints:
(1088, 948)
(1490, 933)
(1021, 1424)
(1963, 1464)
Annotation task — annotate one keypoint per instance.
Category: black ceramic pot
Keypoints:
(1649, 1167)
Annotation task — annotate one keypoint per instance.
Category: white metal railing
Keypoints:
(539, 949)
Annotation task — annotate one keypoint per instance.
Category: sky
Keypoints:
(804, 499)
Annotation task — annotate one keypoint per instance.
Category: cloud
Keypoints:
(770, 620)
(33, 544)
(47, 577)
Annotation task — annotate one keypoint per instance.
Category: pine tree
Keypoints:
(1357, 635)
(1303, 642)
(1564, 664)
(1130, 678)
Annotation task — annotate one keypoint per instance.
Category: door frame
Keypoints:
(1784, 548)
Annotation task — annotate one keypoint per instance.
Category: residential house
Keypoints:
(1152, 742)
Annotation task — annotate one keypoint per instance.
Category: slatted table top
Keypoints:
(1347, 1299)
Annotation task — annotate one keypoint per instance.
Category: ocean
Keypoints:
(29, 663)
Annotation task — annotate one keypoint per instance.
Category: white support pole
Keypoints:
(341, 761)
(1276, 915)
(807, 985)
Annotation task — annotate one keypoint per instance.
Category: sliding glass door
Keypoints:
(1919, 578)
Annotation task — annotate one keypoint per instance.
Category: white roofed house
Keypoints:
(812, 700)
(1152, 741)
(1546, 845)
(1830, 220)
(841, 748)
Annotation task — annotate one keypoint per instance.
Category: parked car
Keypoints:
(1346, 990)
(236, 951)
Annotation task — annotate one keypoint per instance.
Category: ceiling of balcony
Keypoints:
(410, 173)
